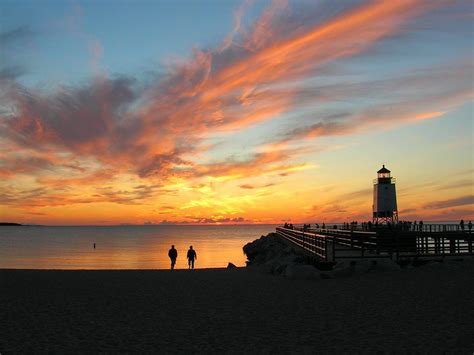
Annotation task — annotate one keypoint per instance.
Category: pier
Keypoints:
(429, 241)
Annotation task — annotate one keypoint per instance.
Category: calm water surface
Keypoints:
(123, 247)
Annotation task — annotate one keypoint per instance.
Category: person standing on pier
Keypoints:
(191, 256)
(173, 254)
(461, 224)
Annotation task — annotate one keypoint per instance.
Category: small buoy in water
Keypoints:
(94, 245)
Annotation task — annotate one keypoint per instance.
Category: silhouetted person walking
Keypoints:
(191, 257)
(469, 225)
(462, 224)
(173, 254)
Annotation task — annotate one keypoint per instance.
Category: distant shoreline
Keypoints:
(11, 224)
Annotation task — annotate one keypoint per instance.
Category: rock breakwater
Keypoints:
(273, 255)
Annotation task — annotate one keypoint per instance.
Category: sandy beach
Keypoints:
(427, 310)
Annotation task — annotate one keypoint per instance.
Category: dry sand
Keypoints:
(236, 311)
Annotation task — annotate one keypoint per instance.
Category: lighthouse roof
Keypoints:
(384, 170)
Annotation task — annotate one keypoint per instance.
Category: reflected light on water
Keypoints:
(124, 247)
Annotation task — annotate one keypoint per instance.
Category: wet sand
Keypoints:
(236, 311)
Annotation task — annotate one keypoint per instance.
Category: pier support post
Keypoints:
(469, 242)
(333, 249)
(452, 245)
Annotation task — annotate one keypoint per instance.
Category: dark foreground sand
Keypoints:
(236, 311)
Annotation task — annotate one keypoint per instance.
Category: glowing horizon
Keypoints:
(284, 116)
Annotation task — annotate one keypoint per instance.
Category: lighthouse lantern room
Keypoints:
(385, 198)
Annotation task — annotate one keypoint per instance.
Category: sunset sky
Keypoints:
(233, 111)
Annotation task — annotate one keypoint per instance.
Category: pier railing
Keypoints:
(433, 228)
(428, 245)
(323, 243)
(326, 243)
(311, 242)
(402, 226)
(351, 238)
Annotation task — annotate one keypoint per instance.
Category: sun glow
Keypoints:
(286, 119)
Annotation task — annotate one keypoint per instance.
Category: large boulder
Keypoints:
(269, 254)
(263, 250)
(270, 267)
(278, 265)
(301, 272)
(348, 268)
(341, 269)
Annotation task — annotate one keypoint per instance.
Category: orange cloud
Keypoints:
(156, 133)
(217, 90)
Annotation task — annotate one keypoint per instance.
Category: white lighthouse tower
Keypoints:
(385, 198)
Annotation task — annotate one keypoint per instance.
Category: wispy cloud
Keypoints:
(11, 73)
(50, 196)
(16, 34)
(459, 201)
(157, 130)
(11, 41)
(251, 187)
(414, 97)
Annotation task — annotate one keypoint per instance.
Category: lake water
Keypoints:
(124, 247)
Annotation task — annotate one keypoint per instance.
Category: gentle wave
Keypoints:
(124, 247)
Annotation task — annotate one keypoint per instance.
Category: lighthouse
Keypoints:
(385, 198)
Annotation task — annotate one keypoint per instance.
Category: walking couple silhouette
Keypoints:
(191, 255)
